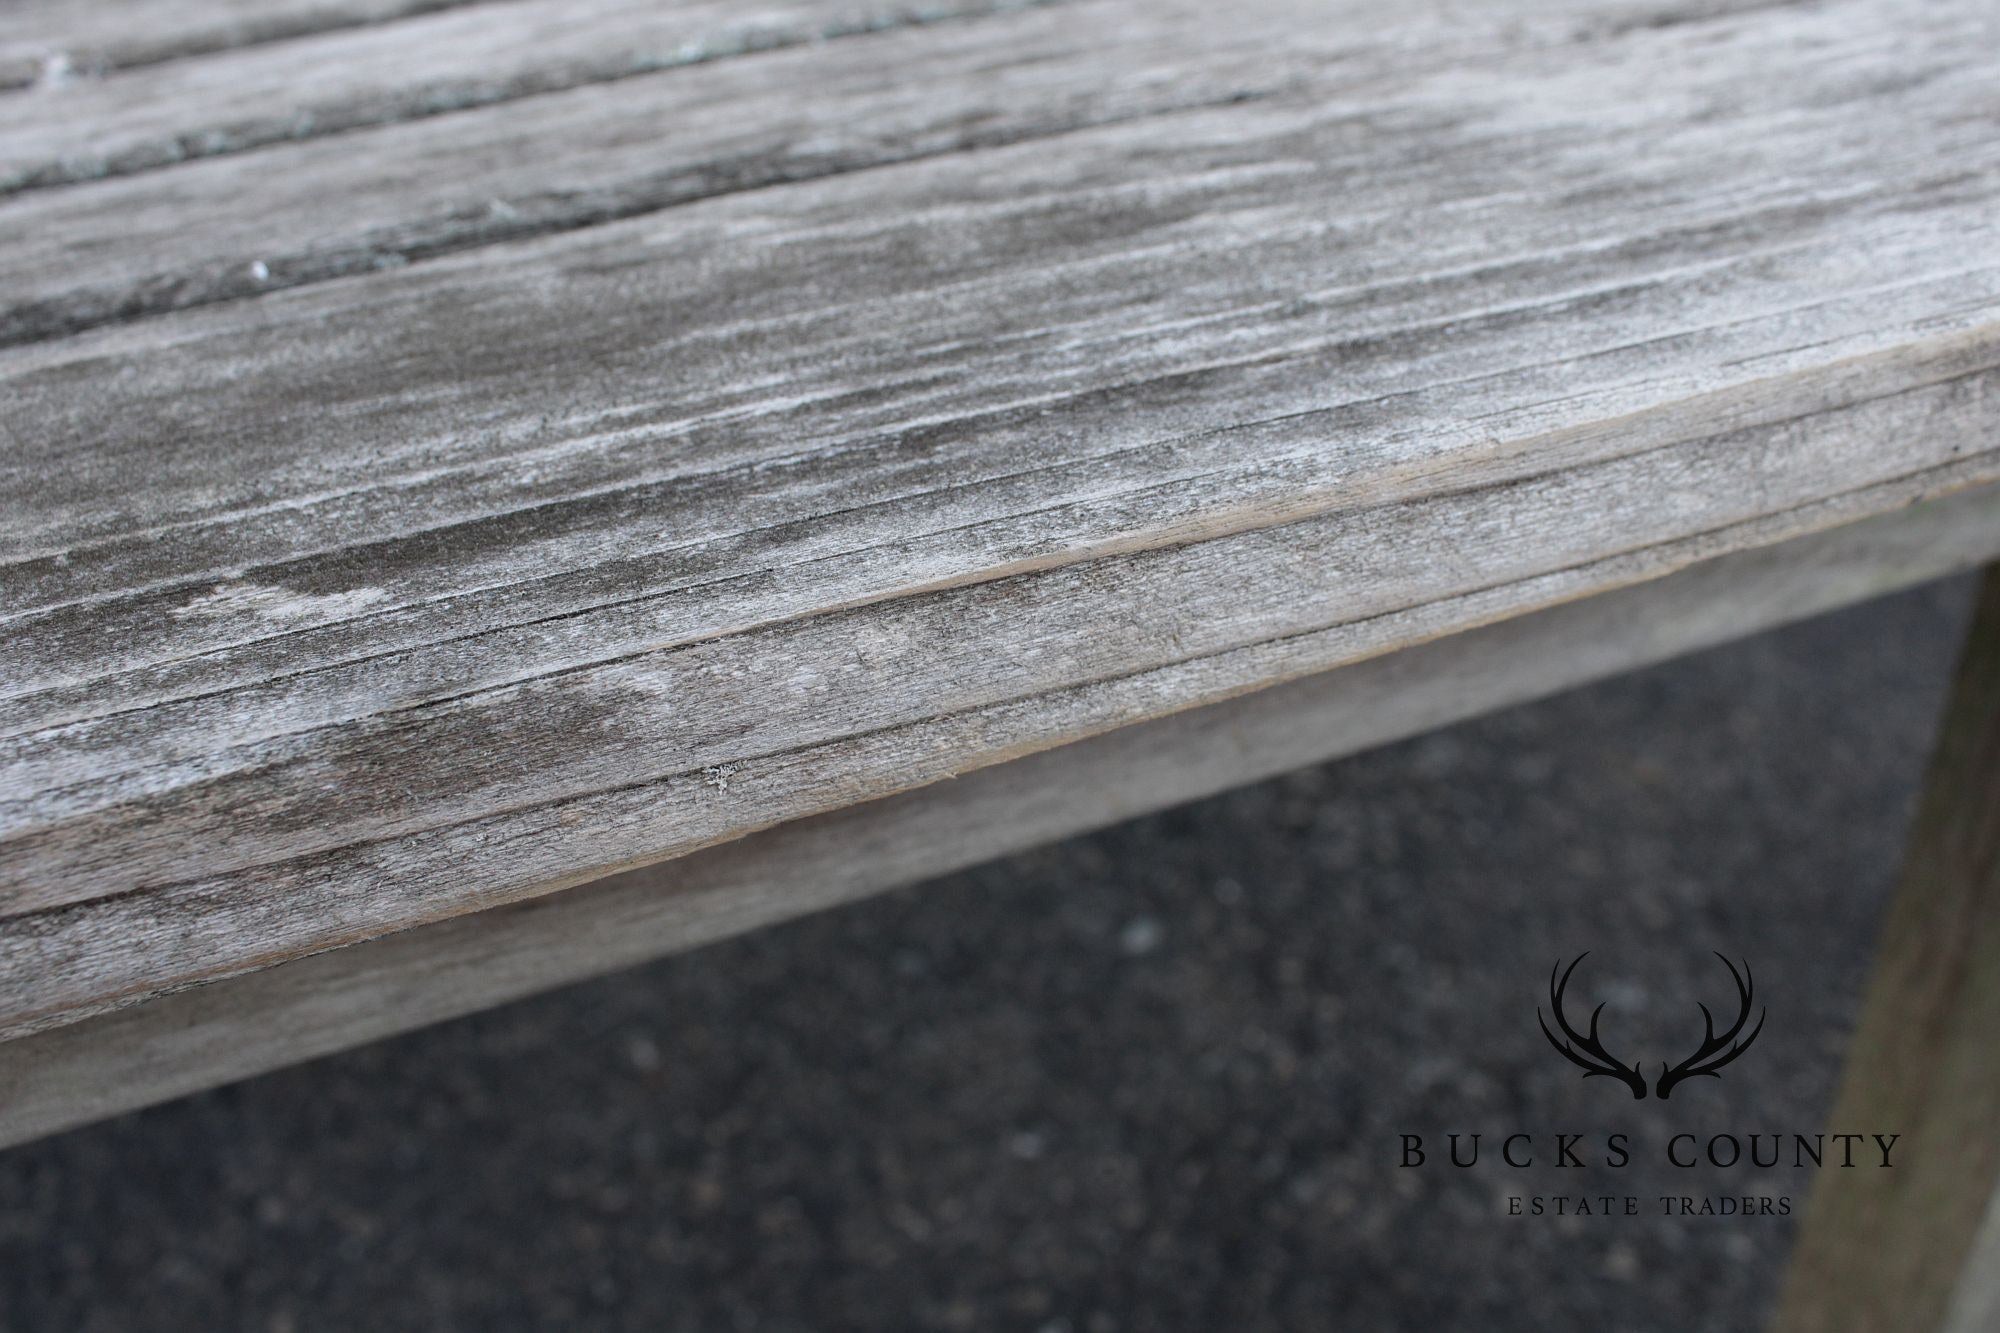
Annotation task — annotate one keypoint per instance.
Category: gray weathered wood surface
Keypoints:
(57, 41)
(450, 460)
(312, 1006)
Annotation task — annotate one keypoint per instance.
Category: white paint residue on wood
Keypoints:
(279, 604)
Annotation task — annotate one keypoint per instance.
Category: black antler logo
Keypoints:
(1587, 1052)
(1715, 1052)
(1595, 1061)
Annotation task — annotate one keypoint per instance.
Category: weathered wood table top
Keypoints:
(453, 452)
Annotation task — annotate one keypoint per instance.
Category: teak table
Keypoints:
(496, 491)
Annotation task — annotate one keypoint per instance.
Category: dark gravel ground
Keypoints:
(1148, 1079)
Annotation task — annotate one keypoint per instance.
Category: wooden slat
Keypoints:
(299, 1010)
(53, 42)
(1902, 1248)
(238, 225)
(438, 63)
(556, 777)
(393, 597)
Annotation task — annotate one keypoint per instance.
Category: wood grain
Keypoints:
(307, 209)
(401, 594)
(296, 1011)
(434, 64)
(1901, 1249)
(55, 42)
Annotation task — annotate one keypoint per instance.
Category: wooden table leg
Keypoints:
(1918, 1247)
